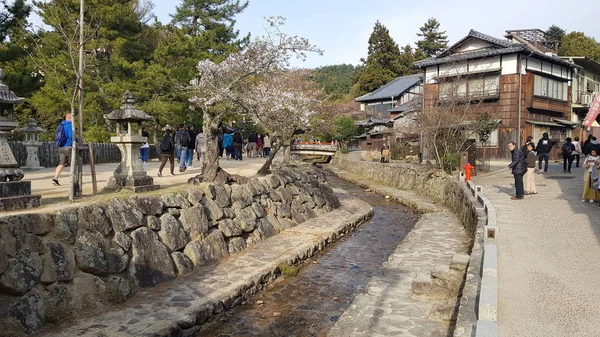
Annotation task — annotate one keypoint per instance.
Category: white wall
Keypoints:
(509, 64)
(548, 68)
(472, 44)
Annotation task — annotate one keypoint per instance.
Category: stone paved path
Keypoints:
(548, 257)
(388, 306)
(180, 306)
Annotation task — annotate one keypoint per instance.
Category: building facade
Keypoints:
(526, 91)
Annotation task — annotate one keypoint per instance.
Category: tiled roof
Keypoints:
(395, 88)
(501, 48)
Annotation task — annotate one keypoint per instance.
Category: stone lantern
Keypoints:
(130, 174)
(32, 143)
(15, 194)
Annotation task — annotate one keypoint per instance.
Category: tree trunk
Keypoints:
(266, 168)
(210, 163)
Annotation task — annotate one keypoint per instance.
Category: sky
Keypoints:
(342, 27)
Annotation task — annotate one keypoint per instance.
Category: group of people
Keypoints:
(524, 163)
(233, 145)
(181, 144)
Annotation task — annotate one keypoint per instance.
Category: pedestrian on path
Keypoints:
(267, 145)
(518, 168)
(530, 161)
(591, 165)
(64, 141)
(567, 153)
(525, 146)
(167, 152)
(543, 148)
(228, 144)
(145, 149)
(182, 138)
(192, 146)
(577, 152)
(585, 149)
(238, 142)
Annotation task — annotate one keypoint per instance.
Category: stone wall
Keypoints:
(431, 183)
(53, 265)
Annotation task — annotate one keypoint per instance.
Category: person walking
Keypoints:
(176, 136)
(577, 152)
(267, 145)
(192, 146)
(228, 144)
(259, 146)
(543, 148)
(585, 148)
(183, 137)
(220, 144)
(145, 149)
(238, 142)
(530, 160)
(64, 141)
(518, 168)
(591, 165)
(167, 152)
(567, 153)
(252, 142)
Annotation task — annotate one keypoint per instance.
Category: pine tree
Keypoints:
(382, 64)
(554, 35)
(13, 18)
(432, 41)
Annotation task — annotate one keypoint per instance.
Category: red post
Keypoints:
(468, 168)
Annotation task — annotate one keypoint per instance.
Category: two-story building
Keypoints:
(526, 91)
(586, 83)
(386, 107)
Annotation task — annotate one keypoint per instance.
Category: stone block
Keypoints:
(488, 299)
(175, 200)
(214, 212)
(30, 311)
(194, 196)
(182, 263)
(194, 221)
(421, 284)
(229, 228)
(93, 218)
(15, 188)
(148, 205)
(21, 274)
(151, 262)
(264, 229)
(236, 244)
(221, 194)
(486, 329)
(208, 250)
(246, 218)
(241, 196)
(122, 216)
(490, 260)
(460, 262)
(59, 263)
(20, 202)
(171, 234)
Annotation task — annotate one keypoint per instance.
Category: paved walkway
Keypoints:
(548, 256)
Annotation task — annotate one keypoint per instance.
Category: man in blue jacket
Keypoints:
(64, 151)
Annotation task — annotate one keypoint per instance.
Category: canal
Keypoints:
(309, 303)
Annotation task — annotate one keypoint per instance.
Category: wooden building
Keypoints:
(527, 91)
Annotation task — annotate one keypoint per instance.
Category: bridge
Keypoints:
(315, 152)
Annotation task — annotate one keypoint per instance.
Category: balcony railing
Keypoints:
(584, 98)
(473, 95)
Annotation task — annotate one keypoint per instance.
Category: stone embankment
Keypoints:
(430, 283)
(54, 266)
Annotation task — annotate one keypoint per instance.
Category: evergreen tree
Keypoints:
(382, 64)
(213, 20)
(577, 44)
(336, 80)
(13, 18)
(432, 41)
(554, 35)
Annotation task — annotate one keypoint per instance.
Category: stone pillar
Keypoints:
(32, 144)
(131, 174)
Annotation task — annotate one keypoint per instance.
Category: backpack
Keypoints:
(184, 139)
(61, 137)
(166, 145)
(566, 148)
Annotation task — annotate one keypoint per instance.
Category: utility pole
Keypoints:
(76, 175)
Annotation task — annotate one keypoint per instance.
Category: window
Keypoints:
(484, 86)
(453, 89)
(492, 141)
(550, 88)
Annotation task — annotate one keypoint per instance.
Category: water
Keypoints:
(312, 301)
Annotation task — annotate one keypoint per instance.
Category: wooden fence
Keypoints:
(48, 153)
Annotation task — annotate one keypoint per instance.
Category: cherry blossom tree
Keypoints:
(237, 83)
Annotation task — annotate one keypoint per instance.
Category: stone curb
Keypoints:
(202, 295)
(487, 309)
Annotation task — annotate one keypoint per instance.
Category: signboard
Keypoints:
(594, 111)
